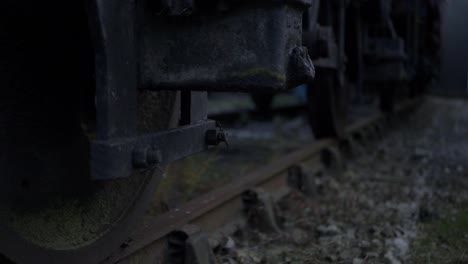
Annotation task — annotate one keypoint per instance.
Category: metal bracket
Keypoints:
(261, 211)
(116, 158)
(135, 50)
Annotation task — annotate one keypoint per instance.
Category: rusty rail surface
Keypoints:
(212, 211)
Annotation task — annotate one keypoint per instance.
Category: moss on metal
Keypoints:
(66, 222)
(261, 72)
(72, 223)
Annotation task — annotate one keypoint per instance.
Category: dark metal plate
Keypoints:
(114, 159)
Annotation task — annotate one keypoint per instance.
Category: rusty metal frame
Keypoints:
(119, 148)
(126, 37)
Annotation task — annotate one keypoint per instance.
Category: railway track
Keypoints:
(222, 208)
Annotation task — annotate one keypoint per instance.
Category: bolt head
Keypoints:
(145, 157)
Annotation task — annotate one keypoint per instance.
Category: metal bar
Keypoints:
(194, 107)
(341, 40)
(116, 158)
(116, 67)
(198, 106)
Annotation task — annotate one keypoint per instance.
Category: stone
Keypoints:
(372, 255)
(331, 258)
(198, 250)
(390, 258)
(331, 230)
(401, 246)
(299, 237)
(364, 245)
(358, 261)
(346, 254)
(230, 243)
(273, 257)
(242, 255)
(228, 260)
(256, 257)
(351, 234)
(376, 244)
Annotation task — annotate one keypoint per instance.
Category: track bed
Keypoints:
(224, 206)
(403, 201)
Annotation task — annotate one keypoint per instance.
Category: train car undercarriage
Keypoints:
(98, 96)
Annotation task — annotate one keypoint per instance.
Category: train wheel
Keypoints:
(327, 105)
(50, 209)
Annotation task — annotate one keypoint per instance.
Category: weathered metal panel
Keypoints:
(184, 45)
(114, 28)
(243, 49)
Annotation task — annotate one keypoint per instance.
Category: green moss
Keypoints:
(445, 241)
(68, 223)
(261, 72)
(453, 228)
